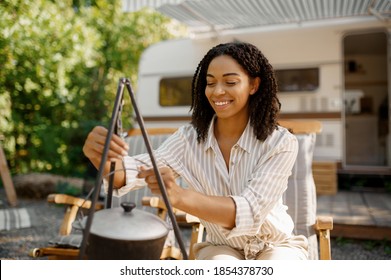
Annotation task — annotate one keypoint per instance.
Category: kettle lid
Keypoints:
(127, 223)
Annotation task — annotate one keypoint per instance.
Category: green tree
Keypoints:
(60, 65)
(44, 45)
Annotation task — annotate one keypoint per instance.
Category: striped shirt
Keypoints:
(256, 180)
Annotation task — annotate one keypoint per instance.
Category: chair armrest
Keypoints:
(74, 204)
(158, 203)
(324, 223)
(59, 198)
(192, 219)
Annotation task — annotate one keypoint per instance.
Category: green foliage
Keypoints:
(368, 245)
(67, 188)
(60, 66)
(387, 247)
(387, 184)
(373, 244)
(342, 241)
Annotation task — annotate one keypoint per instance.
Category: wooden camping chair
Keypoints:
(65, 245)
(301, 191)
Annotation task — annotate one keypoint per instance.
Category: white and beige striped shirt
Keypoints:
(256, 179)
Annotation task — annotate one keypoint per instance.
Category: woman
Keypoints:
(234, 157)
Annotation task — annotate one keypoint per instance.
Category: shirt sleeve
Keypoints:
(132, 182)
(165, 155)
(265, 188)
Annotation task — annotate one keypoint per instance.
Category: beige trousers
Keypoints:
(295, 248)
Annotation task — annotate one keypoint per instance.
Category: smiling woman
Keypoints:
(233, 155)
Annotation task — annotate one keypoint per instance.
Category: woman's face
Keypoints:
(228, 88)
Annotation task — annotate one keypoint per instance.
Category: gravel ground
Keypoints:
(15, 244)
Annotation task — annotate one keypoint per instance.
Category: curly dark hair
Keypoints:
(263, 105)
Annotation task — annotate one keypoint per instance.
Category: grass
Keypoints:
(363, 182)
(369, 245)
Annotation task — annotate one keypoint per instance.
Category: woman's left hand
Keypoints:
(172, 188)
(215, 209)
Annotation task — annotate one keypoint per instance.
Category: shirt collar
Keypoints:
(245, 141)
(210, 139)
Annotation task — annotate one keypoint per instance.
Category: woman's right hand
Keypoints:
(95, 142)
(93, 149)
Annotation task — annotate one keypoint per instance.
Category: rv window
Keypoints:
(175, 91)
(290, 80)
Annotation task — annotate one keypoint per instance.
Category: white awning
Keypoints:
(135, 5)
(215, 15)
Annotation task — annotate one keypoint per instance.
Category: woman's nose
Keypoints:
(219, 89)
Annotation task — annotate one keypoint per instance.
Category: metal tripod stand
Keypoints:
(124, 82)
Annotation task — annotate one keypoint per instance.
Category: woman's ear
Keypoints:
(255, 85)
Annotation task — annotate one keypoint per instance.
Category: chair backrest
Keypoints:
(300, 197)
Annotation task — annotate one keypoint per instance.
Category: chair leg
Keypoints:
(55, 253)
(171, 252)
(323, 225)
(196, 237)
(69, 217)
(324, 244)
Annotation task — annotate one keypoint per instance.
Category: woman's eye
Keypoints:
(231, 83)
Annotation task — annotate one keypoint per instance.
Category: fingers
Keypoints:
(151, 179)
(95, 142)
(117, 145)
(146, 172)
(149, 176)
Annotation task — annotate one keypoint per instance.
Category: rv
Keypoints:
(335, 71)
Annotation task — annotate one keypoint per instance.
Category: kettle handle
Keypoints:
(128, 206)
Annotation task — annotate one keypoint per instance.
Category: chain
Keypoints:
(119, 120)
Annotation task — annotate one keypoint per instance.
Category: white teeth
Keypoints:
(221, 103)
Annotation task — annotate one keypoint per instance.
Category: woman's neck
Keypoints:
(229, 128)
(227, 133)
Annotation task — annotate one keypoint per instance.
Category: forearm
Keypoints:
(119, 174)
(215, 209)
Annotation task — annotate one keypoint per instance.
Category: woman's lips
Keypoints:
(222, 104)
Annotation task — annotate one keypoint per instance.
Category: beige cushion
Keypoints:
(300, 196)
